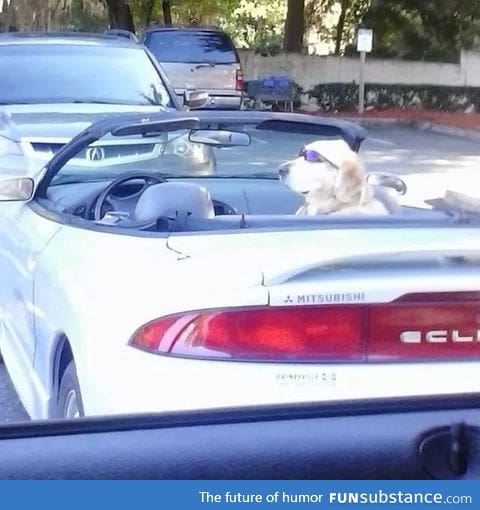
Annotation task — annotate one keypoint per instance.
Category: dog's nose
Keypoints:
(283, 170)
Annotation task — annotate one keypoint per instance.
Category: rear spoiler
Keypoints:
(300, 123)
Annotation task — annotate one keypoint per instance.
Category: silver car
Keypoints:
(201, 59)
(54, 85)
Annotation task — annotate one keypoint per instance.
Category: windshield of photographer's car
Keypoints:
(76, 73)
(296, 219)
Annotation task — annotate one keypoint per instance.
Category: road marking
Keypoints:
(380, 141)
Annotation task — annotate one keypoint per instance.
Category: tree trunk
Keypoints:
(120, 15)
(340, 26)
(294, 26)
(149, 12)
(167, 13)
(8, 15)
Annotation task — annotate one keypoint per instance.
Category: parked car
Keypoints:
(54, 85)
(126, 292)
(204, 59)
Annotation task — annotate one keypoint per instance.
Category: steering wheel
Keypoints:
(149, 179)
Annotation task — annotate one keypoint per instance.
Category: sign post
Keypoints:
(364, 46)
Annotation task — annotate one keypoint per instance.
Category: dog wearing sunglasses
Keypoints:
(332, 179)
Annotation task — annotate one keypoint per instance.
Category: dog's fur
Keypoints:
(336, 185)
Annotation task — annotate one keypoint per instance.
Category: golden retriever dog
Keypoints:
(331, 177)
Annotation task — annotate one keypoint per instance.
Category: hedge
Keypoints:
(344, 97)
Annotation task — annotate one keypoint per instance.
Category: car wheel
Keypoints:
(69, 403)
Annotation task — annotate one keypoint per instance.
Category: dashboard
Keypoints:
(230, 196)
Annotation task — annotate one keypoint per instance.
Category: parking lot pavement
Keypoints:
(11, 411)
(403, 150)
(399, 150)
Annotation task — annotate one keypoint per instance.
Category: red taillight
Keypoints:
(239, 80)
(259, 334)
(405, 330)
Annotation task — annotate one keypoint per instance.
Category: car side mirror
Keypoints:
(16, 190)
(195, 99)
(389, 181)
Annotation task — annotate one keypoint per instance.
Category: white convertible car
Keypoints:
(128, 288)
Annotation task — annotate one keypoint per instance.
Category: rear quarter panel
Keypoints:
(98, 288)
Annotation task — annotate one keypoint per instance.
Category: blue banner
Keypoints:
(208, 495)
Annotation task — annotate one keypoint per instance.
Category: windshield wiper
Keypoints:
(78, 180)
(259, 175)
(111, 102)
(88, 179)
(83, 179)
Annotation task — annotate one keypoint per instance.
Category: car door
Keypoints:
(24, 234)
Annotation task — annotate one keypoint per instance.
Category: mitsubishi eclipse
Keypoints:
(158, 288)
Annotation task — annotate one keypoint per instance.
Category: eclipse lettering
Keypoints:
(440, 336)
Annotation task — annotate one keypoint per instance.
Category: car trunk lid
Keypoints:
(344, 296)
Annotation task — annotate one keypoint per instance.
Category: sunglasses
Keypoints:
(313, 156)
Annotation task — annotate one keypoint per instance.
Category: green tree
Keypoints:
(347, 15)
(426, 30)
(257, 24)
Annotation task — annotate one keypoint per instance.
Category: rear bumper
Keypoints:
(224, 103)
(139, 382)
(219, 100)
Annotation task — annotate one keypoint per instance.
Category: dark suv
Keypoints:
(203, 59)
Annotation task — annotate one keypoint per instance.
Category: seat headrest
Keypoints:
(389, 199)
(170, 198)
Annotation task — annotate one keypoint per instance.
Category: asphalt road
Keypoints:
(396, 150)
(11, 410)
(405, 150)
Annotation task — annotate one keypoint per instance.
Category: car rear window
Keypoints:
(191, 47)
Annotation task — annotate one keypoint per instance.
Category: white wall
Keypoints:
(310, 70)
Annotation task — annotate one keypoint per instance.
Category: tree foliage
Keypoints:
(42, 15)
(426, 30)
(408, 29)
(257, 24)
(347, 15)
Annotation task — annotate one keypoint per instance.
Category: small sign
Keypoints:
(365, 40)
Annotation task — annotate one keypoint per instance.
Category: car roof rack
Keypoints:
(122, 33)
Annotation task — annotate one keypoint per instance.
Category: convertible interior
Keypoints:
(147, 202)
(204, 179)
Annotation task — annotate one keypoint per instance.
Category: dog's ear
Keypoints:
(350, 182)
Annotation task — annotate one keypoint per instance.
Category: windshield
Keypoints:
(172, 153)
(309, 234)
(191, 47)
(55, 73)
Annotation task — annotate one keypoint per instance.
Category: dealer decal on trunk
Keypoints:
(306, 379)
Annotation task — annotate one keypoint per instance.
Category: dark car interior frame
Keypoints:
(410, 438)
